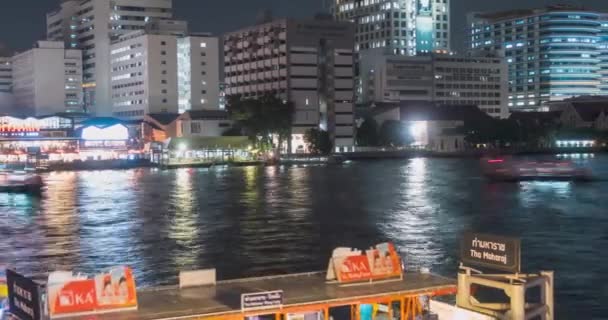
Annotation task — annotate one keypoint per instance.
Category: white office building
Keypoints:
(47, 79)
(307, 62)
(405, 27)
(164, 70)
(553, 53)
(440, 78)
(91, 25)
(198, 69)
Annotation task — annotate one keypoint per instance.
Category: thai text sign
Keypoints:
(24, 296)
(106, 291)
(490, 251)
(379, 262)
(262, 300)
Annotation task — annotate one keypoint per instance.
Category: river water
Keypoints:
(267, 220)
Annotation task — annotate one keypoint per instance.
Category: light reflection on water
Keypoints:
(266, 220)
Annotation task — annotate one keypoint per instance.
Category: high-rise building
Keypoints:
(198, 69)
(405, 27)
(47, 79)
(163, 69)
(6, 84)
(6, 77)
(553, 53)
(444, 79)
(307, 62)
(91, 25)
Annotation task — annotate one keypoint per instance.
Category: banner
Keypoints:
(112, 290)
(491, 251)
(351, 265)
(24, 296)
(261, 300)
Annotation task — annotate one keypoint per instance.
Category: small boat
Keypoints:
(501, 169)
(20, 182)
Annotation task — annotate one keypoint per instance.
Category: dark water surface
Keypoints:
(254, 221)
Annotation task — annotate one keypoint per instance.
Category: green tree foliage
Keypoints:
(367, 133)
(318, 141)
(262, 118)
(395, 133)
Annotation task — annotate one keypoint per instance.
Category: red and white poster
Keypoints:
(352, 265)
(112, 290)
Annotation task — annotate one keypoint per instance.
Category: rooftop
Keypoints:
(589, 111)
(163, 118)
(207, 114)
(426, 111)
(511, 14)
(299, 290)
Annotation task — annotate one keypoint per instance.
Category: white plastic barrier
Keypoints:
(449, 312)
(197, 278)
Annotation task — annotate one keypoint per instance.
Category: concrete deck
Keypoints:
(299, 289)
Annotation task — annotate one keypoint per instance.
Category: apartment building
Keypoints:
(47, 79)
(308, 62)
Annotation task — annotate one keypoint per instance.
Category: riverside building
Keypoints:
(443, 79)
(164, 69)
(47, 79)
(307, 62)
(553, 53)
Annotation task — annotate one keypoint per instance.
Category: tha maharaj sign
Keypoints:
(490, 251)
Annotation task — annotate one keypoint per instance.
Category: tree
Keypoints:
(318, 141)
(262, 119)
(395, 133)
(367, 133)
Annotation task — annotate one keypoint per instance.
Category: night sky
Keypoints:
(23, 21)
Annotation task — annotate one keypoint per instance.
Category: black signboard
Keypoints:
(261, 300)
(490, 251)
(24, 296)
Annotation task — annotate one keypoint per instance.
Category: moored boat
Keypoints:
(20, 182)
(502, 169)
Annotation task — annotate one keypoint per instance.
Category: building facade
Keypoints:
(440, 78)
(553, 53)
(164, 71)
(6, 76)
(198, 69)
(405, 27)
(91, 25)
(6, 84)
(47, 79)
(308, 62)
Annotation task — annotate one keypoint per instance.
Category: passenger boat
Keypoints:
(20, 181)
(502, 169)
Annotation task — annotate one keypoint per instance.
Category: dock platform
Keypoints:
(302, 292)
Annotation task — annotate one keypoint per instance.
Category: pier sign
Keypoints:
(24, 296)
(491, 251)
(261, 300)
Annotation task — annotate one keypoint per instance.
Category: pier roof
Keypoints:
(308, 291)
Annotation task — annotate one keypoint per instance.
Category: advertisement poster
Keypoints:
(110, 290)
(380, 262)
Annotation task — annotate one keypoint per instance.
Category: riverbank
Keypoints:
(476, 153)
(312, 159)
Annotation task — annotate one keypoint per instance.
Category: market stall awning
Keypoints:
(203, 143)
